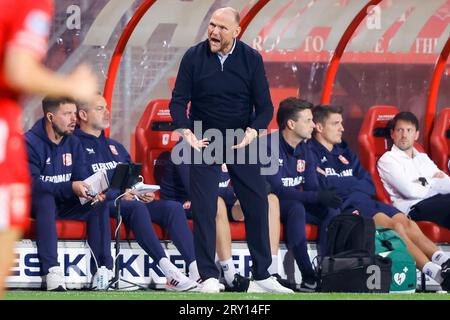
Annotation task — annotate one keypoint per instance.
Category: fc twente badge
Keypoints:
(67, 159)
(300, 165)
(113, 149)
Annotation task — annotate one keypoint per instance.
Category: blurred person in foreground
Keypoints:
(24, 30)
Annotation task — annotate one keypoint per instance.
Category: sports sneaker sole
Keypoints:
(169, 287)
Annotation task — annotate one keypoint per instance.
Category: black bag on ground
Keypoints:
(351, 264)
(355, 271)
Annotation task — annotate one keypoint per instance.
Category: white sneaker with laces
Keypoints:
(269, 285)
(200, 282)
(177, 281)
(55, 279)
(101, 279)
(210, 285)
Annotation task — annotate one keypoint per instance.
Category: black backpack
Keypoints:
(349, 231)
(351, 264)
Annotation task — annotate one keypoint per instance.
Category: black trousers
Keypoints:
(250, 189)
(435, 209)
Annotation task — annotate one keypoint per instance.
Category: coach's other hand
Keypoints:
(250, 135)
(190, 137)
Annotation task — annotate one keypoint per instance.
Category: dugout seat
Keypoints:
(154, 139)
(373, 141)
(277, 95)
(440, 140)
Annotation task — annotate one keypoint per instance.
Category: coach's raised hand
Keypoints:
(190, 137)
(250, 135)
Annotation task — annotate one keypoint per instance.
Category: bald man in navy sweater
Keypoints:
(225, 82)
(103, 152)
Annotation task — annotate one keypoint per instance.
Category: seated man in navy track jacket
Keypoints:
(340, 168)
(175, 186)
(57, 166)
(102, 152)
(297, 187)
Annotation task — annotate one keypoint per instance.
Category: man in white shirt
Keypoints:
(411, 178)
(415, 184)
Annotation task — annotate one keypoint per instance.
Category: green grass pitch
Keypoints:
(161, 295)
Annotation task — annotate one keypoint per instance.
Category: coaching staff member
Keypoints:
(225, 81)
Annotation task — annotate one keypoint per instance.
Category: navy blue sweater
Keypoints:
(343, 170)
(296, 178)
(53, 166)
(103, 153)
(222, 98)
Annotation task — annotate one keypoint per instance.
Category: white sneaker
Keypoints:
(177, 281)
(55, 279)
(267, 285)
(101, 279)
(200, 282)
(210, 285)
(254, 288)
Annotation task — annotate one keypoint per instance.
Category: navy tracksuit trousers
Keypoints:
(45, 212)
(138, 217)
(250, 188)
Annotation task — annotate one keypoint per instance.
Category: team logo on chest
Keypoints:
(300, 165)
(113, 150)
(343, 159)
(67, 159)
